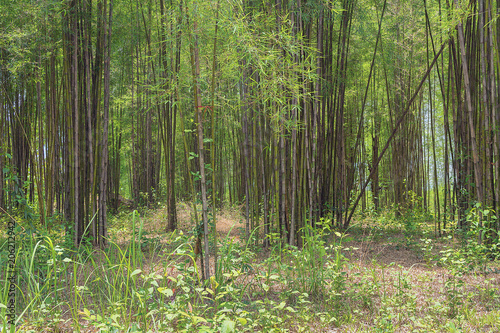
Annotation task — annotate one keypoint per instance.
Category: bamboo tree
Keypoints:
(104, 155)
(212, 146)
(470, 112)
(437, 212)
(195, 67)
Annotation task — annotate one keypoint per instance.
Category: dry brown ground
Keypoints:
(155, 222)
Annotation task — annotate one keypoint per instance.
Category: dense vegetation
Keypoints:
(318, 121)
(385, 275)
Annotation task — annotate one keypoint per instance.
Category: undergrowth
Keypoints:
(151, 283)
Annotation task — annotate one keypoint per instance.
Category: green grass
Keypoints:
(151, 283)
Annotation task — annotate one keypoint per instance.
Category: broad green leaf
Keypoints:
(137, 271)
(86, 312)
(166, 291)
(197, 320)
(280, 306)
(227, 326)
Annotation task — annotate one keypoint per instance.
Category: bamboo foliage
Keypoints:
(53, 133)
(295, 111)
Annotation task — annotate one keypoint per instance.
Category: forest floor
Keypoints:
(416, 286)
(401, 280)
(379, 276)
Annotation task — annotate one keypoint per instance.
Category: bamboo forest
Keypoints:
(249, 166)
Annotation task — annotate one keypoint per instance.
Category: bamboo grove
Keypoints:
(295, 110)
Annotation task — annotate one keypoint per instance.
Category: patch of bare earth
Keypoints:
(228, 220)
